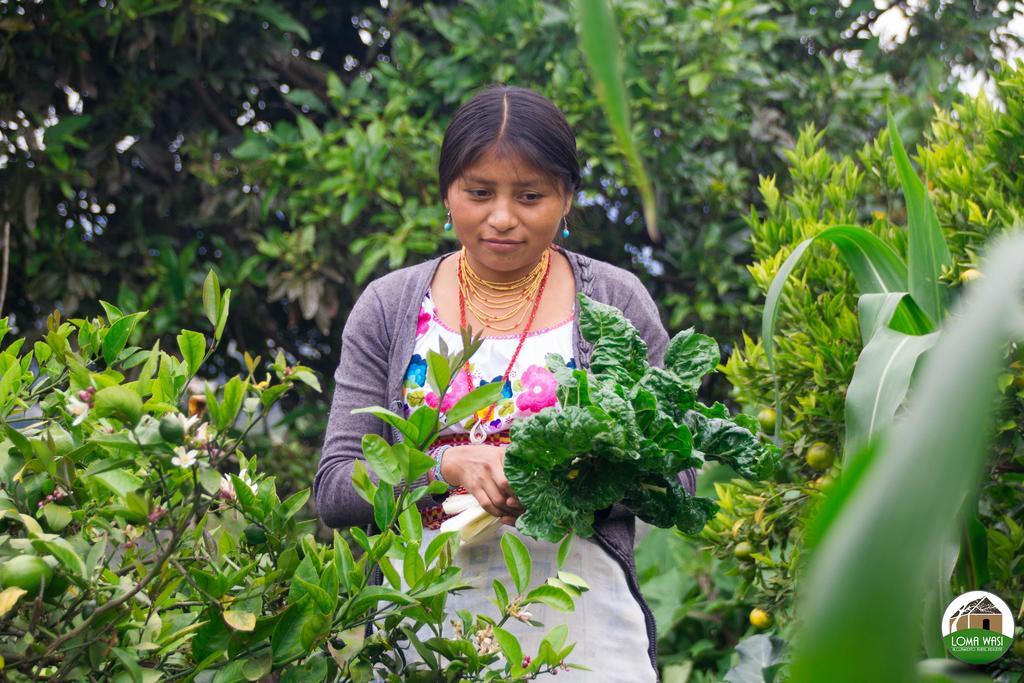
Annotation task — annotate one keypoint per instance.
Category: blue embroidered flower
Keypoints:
(506, 391)
(571, 363)
(417, 371)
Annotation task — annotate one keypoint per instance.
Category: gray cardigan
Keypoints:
(376, 345)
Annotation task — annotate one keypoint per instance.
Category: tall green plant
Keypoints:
(900, 305)
(599, 40)
(880, 534)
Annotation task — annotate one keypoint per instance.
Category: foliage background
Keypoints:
(292, 146)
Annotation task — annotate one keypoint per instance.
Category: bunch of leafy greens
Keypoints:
(623, 431)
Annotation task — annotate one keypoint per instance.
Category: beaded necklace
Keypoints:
(478, 434)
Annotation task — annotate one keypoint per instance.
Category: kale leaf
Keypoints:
(623, 430)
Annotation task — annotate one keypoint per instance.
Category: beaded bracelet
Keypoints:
(437, 454)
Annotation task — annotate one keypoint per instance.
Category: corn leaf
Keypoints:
(866, 585)
(927, 251)
(599, 40)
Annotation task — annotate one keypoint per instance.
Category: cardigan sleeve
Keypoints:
(360, 380)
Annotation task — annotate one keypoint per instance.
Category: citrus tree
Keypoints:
(138, 541)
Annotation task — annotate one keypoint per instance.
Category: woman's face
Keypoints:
(506, 213)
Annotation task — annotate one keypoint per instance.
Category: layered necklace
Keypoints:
(505, 300)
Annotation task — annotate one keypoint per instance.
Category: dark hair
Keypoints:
(514, 121)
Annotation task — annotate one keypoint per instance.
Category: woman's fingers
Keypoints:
(486, 493)
(510, 500)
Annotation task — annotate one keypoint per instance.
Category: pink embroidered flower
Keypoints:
(538, 393)
(430, 398)
(422, 322)
(457, 390)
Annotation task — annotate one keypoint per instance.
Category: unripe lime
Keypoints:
(171, 429)
(766, 418)
(742, 550)
(820, 455)
(823, 483)
(119, 402)
(26, 572)
(760, 619)
(255, 535)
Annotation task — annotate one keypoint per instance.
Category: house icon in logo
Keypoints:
(979, 613)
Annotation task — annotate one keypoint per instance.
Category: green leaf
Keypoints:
(117, 336)
(517, 559)
(875, 266)
(417, 463)
(439, 374)
(863, 593)
(280, 18)
(411, 524)
(64, 552)
(361, 482)
(209, 479)
(478, 399)
(691, 356)
(231, 402)
(222, 318)
(11, 377)
(509, 645)
(192, 346)
(118, 481)
(380, 456)
(148, 369)
(927, 251)
(880, 382)
(384, 506)
(699, 82)
(551, 596)
(758, 655)
(371, 595)
(563, 549)
(895, 310)
(211, 297)
(130, 662)
(404, 426)
(308, 129)
(619, 350)
(57, 516)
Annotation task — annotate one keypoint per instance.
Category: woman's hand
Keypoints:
(481, 471)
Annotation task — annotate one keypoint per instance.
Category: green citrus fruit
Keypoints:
(171, 429)
(760, 619)
(255, 534)
(26, 572)
(820, 455)
(119, 402)
(823, 483)
(766, 418)
(742, 550)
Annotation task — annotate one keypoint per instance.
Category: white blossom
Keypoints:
(80, 409)
(184, 458)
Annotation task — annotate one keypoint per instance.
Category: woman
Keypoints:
(508, 173)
